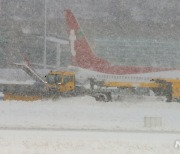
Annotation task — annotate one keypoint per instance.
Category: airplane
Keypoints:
(89, 65)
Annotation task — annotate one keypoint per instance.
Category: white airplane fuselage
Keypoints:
(83, 75)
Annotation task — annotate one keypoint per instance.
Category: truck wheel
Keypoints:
(97, 98)
(100, 98)
(169, 98)
(103, 98)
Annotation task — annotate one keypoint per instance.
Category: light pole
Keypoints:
(45, 20)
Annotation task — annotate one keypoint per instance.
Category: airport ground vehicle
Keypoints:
(63, 83)
(170, 88)
(55, 84)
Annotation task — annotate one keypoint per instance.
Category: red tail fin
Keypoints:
(82, 53)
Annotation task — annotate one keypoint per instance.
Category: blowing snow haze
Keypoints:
(127, 32)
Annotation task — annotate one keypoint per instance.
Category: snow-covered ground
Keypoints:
(86, 113)
(86, 142)
(82, 125)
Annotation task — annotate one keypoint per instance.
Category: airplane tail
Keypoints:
(82, 54)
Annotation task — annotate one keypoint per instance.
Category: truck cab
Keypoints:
(61, 81)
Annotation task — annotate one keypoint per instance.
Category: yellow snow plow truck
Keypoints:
(55, 84)
(170, 88)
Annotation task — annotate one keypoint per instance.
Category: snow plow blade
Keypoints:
(23, 92)
(8, 96)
